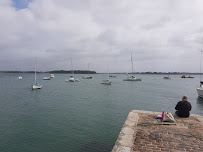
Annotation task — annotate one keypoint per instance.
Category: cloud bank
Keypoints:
(162, 35)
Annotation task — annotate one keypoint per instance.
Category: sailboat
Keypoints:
(71, 78)
(19, 77)
(168, 78)
(200, 88)
(87, 76)
(36, 85)
(106, 82)
(132, 78)
(52, 75)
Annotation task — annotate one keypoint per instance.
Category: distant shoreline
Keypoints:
(94, 72)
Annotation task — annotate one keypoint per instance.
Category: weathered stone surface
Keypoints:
(127, 141)
(128, 130)
(121, 149)
(186, 135)
(130, 123)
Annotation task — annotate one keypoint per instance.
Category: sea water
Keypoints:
(84, 116)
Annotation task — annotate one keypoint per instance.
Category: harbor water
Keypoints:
(84, 116)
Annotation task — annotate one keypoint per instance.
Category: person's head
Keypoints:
(184, 98)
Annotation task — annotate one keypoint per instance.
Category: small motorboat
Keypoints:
(20, 77)
(87, 77)
(168, 78)
(52, 76)
(47, 78)
(106, 82)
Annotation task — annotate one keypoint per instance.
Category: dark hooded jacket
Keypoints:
(183, 109)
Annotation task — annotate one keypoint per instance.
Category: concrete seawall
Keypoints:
(140, 132)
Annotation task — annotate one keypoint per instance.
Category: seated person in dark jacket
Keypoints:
(183, 108)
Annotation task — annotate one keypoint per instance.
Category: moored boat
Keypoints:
(72, 79)
(20, 77)
(132, 78)
(106, 82)
(47, 78)
(87, 77)
(200, 90)
(36, 85)
(168, 78)
(52, 75)
(186, 76)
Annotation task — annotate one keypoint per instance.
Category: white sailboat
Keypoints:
(52, 75)
(19, 77)
(71, 78)
(36, 85)
(132, 78)
(87, 76)
(106, 82)
(200, 88)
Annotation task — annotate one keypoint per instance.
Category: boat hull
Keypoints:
(129, 79)
(106, 82)
(200, 92)
(52, 76)
(36, 86)
(47, 78)
(72, 80)
(20, 78)
(87, 77)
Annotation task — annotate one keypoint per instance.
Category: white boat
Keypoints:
(47, 78)
(132, 78)
(106, 82)
(20, 77)
(72, 79)
(36, 85)
(52, 76)
(87, 76)
(200, 88)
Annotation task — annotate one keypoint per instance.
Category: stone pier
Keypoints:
(142, 132)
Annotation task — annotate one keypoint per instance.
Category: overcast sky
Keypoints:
(163, 35)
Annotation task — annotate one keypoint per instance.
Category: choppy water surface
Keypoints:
(81, 117)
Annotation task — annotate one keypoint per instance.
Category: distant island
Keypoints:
(54, 72)
(94, 72)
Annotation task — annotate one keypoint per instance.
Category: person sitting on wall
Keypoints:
(183, 108)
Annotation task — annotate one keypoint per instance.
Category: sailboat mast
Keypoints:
(88, 68)
(107, 72)
(35, 70)
(132, 61)
(72, 66)
(201, 66)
